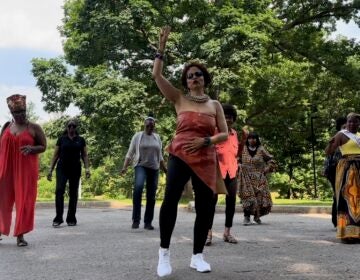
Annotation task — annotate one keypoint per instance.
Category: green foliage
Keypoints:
(105, 180)
(273, 59)
(46, 189)
(45, 158)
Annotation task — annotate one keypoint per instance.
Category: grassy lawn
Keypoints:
(221, 201)
(302, 202)
(293, 202)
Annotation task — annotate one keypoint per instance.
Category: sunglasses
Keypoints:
(72, 125)
(196, 74)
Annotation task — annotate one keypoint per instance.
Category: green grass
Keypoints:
(221, 201)
(294, 202)
(281, 201)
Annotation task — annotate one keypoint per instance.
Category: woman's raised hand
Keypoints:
(163, 37)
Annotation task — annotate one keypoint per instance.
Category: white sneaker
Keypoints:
(198, 263)
(164, 267)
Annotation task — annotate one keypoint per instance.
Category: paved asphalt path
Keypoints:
(103, 246)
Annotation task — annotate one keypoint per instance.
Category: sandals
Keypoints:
(21, 242)
(209, 239)
(230, 239)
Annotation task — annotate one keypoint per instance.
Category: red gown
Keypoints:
(18, 182)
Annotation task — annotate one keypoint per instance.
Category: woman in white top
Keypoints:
(145, 152)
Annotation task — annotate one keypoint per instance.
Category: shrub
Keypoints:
(46, 189)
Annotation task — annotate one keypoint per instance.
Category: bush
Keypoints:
(46, 189)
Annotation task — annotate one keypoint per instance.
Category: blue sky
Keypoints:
(17, 70)
(28, 30)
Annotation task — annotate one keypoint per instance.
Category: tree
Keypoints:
(273, 59)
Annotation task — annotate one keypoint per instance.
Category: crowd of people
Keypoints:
(206, 149)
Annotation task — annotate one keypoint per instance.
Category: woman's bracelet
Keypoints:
(207, 141)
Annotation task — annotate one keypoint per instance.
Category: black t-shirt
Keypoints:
(70, 151)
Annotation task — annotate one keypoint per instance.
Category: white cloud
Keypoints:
(31, 24)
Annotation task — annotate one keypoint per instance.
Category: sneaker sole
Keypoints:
(163, 275)
(194, 267)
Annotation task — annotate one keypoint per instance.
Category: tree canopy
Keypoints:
(275, 60)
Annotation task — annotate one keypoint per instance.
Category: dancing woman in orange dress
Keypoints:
(20, 143)
(192, 155)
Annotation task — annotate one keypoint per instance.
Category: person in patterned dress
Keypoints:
(347, 179)
(254, 192)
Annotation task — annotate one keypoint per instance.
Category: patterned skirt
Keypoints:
(254, 193)
(347, 187)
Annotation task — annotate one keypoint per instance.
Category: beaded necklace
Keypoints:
(197, 98)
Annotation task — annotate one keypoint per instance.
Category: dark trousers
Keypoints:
(247, 213)
(178, 174)
(151, 176)
(62, 177)
(230, 201)
(331, 177)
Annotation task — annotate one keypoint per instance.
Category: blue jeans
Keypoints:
(151, 177)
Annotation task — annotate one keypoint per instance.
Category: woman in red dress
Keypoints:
(20, 143)
(192, 155)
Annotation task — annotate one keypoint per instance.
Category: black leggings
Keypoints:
(178, 174)
(230, 200)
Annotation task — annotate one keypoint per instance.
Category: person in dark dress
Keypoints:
(69, 151)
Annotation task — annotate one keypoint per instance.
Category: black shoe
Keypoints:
(71, 224)
(135, 225)
(20, 241)
(56, 224)
(149, 227)
(348, 240)
(257, 220)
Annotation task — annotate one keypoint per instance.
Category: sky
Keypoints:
(29, 29)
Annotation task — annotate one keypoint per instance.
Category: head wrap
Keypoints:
(16, 102)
